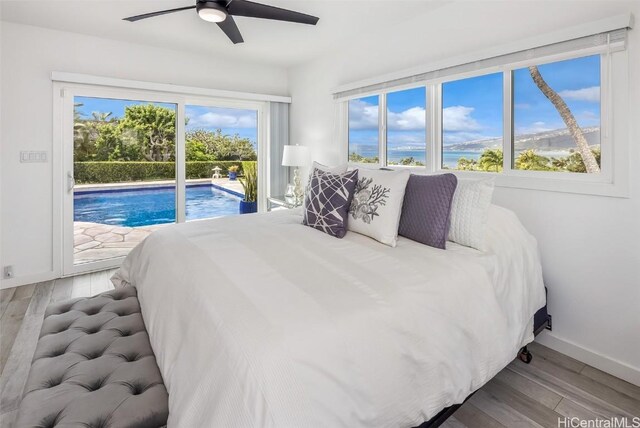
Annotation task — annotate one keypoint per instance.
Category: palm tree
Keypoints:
(576, 133)
(492, 160)
(532, 161)
(100, 116)
(561, 163)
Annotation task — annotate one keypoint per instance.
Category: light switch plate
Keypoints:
(31, 156)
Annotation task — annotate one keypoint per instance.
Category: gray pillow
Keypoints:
(326, 204)
(427, 208)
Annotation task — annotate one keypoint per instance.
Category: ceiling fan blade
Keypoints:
(231, 30)
(257, 10)
(152, 14)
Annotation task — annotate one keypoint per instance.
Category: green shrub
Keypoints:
(117, 172)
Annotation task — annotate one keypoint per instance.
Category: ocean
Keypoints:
(450, 159)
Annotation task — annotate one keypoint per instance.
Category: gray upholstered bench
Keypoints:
(94, 367)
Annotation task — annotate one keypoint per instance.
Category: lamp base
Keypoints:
(297, 187)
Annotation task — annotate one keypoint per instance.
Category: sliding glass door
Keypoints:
(124, 175)
(221, 144)
(134, 162)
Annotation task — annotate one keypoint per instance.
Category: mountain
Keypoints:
(547, 141)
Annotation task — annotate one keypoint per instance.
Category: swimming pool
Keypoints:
(149, 206)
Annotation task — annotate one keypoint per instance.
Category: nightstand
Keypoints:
(279, 202)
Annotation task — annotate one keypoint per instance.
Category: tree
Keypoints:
(100, 116)
(355, 157)
(491, 160)
(465, 164)
(591, 165)
(108, 141)
(573, 162)
(84, 134)
(530, 160)
(154, 128)
(214, 145)
(197, 151)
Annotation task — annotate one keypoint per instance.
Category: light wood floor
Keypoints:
(553, 386)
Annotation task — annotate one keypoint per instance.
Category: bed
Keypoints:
(259, 321)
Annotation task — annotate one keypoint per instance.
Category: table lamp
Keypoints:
(296, 156)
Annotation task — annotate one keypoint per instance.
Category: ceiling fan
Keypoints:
(222, 12)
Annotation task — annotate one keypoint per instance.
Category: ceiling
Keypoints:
(278, 43)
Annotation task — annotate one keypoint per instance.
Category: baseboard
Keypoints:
(27, 279)
(613, 367)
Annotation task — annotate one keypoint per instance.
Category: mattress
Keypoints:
(259, 321)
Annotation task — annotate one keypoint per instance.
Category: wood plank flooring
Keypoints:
(21, 314)
(553, 386)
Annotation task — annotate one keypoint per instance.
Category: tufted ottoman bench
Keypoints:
(94, 367)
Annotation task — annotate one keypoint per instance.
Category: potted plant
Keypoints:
(249, 204)
(233, 172)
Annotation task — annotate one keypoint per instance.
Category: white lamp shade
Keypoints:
(295, 156)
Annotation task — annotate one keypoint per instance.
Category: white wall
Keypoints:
(28, 56)
(590, 245)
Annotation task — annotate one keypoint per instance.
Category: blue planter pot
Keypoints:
(233, 175)
(248, 207)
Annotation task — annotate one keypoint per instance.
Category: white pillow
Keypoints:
(377, 204)
(470, 211)
(338, 169)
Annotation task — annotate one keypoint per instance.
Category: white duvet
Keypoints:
(259, 321)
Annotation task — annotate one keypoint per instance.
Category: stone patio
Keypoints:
(95, 241)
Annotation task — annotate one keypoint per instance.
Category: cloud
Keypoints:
(222, 118)
(407, 138)
(458, 118)
(535, 128)
(413, 119)
(462, 137)
(589, 115)
(362, 115)
(590, 94)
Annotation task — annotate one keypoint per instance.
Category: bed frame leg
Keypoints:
(525, 355)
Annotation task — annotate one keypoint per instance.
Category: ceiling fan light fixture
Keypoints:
(211, 12)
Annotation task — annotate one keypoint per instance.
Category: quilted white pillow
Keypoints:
(470, 211)
(377, 204)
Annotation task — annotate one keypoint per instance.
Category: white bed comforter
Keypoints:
(259, 321)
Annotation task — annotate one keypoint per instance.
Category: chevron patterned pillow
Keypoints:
(326, 204)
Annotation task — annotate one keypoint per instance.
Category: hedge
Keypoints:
(116, 172)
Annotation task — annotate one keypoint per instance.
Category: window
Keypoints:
(406, 127)
(550, 111)
(472, 124)
(364, 130)
(556, 111)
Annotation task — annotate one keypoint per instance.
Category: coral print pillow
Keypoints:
(377, 204)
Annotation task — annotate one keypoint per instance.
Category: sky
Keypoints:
(472, 108)
(231, 121)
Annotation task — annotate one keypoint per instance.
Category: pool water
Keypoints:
(145, 207)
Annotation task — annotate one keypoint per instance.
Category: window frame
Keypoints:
(611, 181)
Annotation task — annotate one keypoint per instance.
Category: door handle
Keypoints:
(71, 182)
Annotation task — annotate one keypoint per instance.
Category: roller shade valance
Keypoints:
(599, 43)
